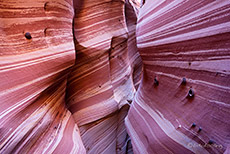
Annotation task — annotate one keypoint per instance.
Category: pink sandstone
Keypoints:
(114, 76)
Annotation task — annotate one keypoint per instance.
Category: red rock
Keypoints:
(33, 75)
(110, 76)
(178, 39)
(101, 81)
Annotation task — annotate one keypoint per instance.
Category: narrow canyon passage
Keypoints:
(68, 76)
(102, 82)
(115, 76)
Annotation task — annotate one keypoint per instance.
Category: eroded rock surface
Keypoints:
(33, 76)
(176, 40)
(114, 76)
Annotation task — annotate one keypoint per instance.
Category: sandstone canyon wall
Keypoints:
(114, 76)
(184, 46)
(33, 76)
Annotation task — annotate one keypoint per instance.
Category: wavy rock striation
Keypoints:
(114, 76)
(100, 86)
(47, 91)
(33, 76)
(176, 40)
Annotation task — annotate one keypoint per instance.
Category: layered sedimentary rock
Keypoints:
(33, 76)
(65, 64)
(114, 76)
(101, 82)
(131, 12)
(176, 40)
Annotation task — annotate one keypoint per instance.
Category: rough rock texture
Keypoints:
(182, 39)
(105, 76)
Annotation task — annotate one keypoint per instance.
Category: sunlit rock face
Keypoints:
(131, 12)
(114, 76)
(176, 40)
(100, 86)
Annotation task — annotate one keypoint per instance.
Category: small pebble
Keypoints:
(200, 129)
(190, 93)
(183, 81)
(210, 142)
(194, 125)
(156, 82)
(28, 35)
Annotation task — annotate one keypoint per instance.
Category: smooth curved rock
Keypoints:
(114, 76)
(178, 39)
(33, 75)
(101, 83)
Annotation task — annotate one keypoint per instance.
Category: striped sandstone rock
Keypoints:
(33, 77)
(114, 76)
(182, 39)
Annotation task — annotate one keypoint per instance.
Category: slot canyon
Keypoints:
(114, 76)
